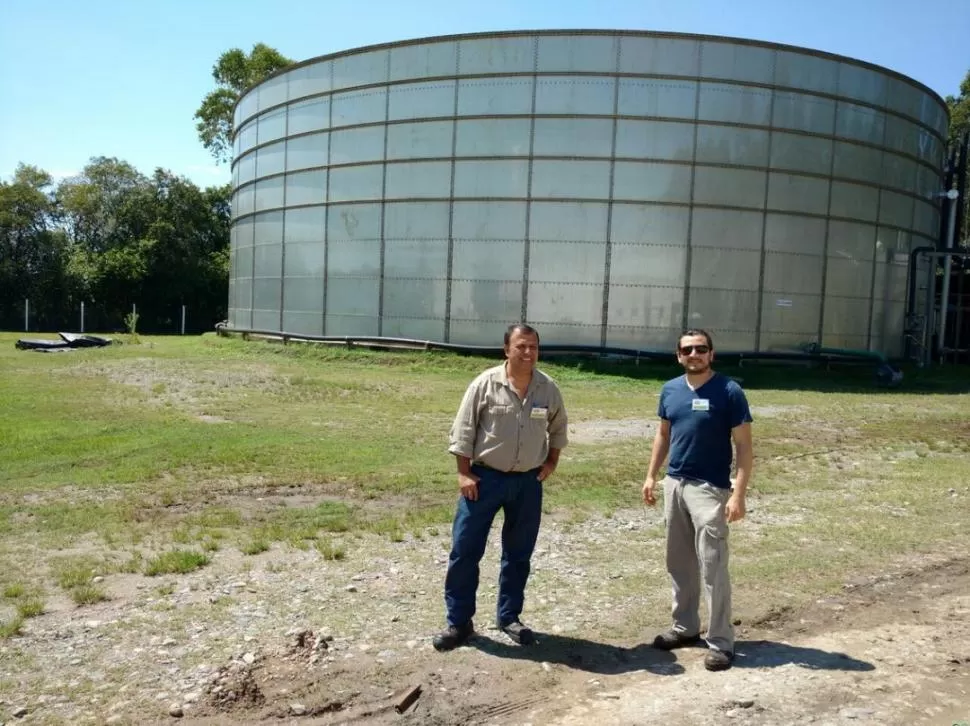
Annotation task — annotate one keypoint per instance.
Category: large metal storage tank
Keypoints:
(610, 187)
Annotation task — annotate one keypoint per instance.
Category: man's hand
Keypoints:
(734, 509)
(469, 486)
(649, 491)
(545, 471)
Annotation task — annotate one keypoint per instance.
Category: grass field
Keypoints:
(148, 458)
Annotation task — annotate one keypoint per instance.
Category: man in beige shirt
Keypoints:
(507, 436)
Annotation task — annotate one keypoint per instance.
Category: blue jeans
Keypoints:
(520, 496)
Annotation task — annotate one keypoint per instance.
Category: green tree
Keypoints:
(33, 251)
(92, 203)
(959, 107)
(159, 242)
(112, 237)
(960, 110)
(106, 211)
(234, 72)
(189, 251)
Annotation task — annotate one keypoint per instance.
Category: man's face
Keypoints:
(694, 353)
(523, 349)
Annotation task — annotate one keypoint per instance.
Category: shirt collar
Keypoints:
(504, 378)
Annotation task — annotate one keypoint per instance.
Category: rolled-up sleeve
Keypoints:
(558, 423)
(461, 440)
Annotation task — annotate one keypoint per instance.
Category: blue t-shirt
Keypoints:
(700, 427)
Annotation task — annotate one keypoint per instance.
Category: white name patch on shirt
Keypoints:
(539, 412)
(700, 404)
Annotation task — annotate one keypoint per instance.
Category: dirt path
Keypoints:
(286, 636)
(892, 649)
(896, 651)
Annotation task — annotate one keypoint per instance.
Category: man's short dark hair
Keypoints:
(696, 331)
(522, 328)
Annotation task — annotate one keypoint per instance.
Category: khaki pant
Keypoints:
(697, 552)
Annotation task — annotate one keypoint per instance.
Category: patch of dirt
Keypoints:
(289, 635)
(254, 499)
(601, 431)
(164, 383)
(873, 655)
(775, 411)
(892, 649)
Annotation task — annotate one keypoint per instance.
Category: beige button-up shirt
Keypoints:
(496, 428)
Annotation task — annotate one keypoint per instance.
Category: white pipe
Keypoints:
(953, 195)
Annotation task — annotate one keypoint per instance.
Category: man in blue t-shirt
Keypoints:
(701, 413)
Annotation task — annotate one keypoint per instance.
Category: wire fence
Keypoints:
(92, 318)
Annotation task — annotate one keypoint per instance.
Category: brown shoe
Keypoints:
(518, 632)
(453, 636)
(718, 660)
(671, 639)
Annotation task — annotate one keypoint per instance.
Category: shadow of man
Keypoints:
(771, 654)
(581, 654)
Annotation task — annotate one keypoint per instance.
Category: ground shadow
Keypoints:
(606, 659)
(581, 654)
(771, 654)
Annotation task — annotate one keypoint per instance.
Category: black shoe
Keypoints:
(718, 660)
(675, 639)
(518, 632)
(453, 636)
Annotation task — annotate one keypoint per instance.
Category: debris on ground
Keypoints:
(405, 699)
(68, 341)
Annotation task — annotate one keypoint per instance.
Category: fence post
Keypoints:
(183, 320)
(26, 314)
(82, 316)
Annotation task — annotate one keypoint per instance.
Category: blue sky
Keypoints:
(84, 78)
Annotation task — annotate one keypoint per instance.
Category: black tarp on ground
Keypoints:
(68, 341)
(43, 345)
(80, 340)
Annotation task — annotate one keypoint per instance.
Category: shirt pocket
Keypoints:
(539, 425)
(499, 410)
(498, 419)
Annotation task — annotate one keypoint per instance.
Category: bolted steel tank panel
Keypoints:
(609, 187)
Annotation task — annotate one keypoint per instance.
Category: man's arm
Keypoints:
(462, 441)
(464, 429)
(744, 454)
(557, 428)
(549, 465)
(558, 424)
(661, 446)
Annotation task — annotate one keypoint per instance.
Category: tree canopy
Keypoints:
(959, 107)
(234, 72)
(112, 237)
(32, 248)
(960, 110)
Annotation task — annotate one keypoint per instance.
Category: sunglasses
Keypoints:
(700, 349)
